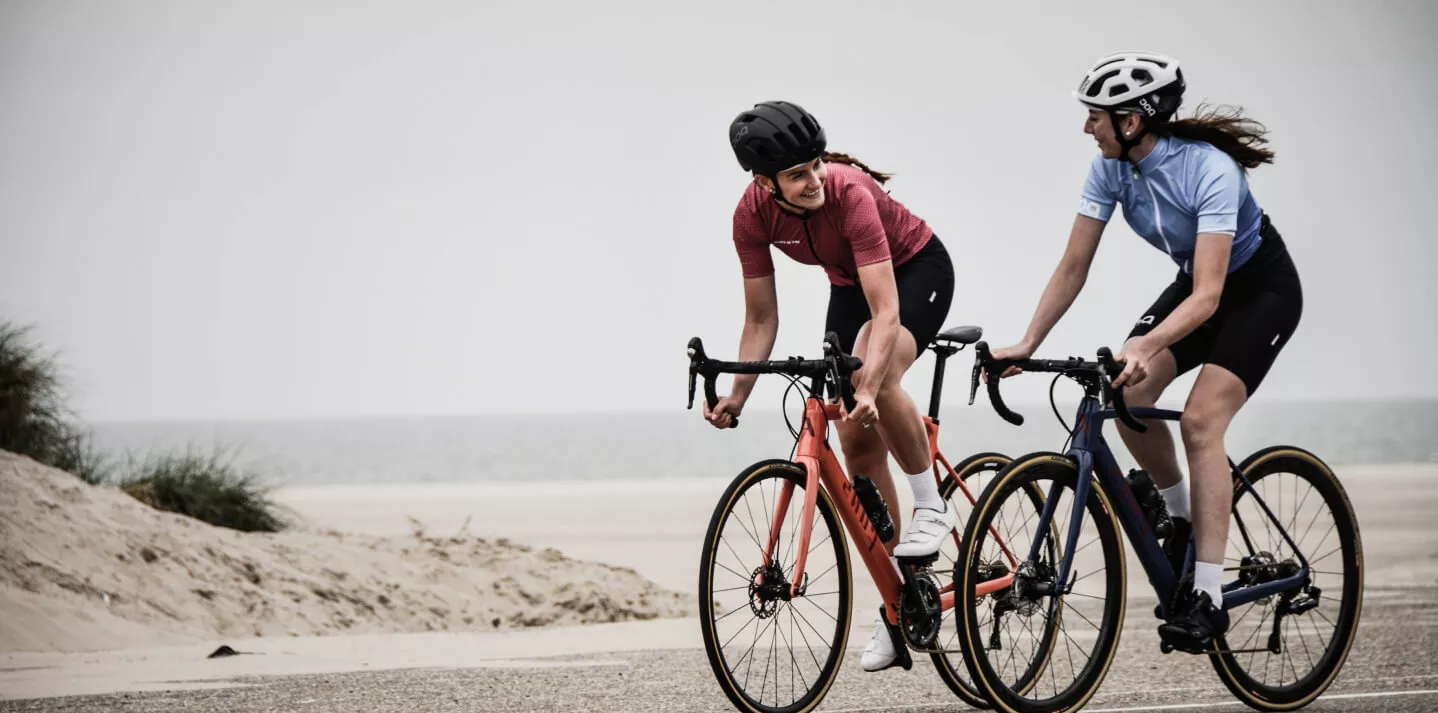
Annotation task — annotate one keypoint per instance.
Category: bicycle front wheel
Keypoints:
(773, 651)
(1040, 644)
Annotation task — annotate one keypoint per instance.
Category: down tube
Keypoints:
(1135, 525)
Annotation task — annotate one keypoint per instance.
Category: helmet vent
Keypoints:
(1097, 85)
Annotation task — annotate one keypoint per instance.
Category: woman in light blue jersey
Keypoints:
(1231, 309)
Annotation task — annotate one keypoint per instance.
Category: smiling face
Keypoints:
(1101, 128)
(801, 186)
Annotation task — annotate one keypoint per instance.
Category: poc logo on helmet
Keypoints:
(1147, 107)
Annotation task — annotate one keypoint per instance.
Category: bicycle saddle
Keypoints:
(967, 334)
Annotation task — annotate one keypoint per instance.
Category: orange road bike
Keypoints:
(775, 585)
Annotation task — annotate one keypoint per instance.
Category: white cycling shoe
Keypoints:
(927, 532)
(879, 654)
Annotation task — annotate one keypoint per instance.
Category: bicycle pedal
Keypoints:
(1197, 648)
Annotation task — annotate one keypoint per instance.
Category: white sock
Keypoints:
(926, 491)
(1209, 578)
(1175, 498)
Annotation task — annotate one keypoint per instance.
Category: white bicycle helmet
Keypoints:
(1148, 83)
(1133, 82)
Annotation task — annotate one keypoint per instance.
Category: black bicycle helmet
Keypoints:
(774, 136)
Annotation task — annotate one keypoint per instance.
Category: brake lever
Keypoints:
(695, 349)
(832, 353)
(1115, 395)
(693, 376)
(974, 380)
(697, 360)
(995, 374)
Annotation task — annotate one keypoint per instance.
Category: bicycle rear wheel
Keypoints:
(975, 473)
(1040, 645)
(772, 652)
(1312, 507)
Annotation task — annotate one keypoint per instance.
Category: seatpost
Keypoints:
(942, 354)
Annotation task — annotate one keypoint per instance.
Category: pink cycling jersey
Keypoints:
(858, 225)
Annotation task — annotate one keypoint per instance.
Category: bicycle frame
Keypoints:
(1092, 454)
(821, 465)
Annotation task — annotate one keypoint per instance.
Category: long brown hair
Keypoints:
(831, 157)
(1242, 138)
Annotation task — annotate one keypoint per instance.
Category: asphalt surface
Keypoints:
(1393, 667)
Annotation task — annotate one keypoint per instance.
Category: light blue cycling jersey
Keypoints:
(1180, 189)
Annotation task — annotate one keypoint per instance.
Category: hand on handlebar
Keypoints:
(725, 413)
(1135, 358)
(1017, 352)
(864, 412)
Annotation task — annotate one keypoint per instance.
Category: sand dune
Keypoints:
(88, 568)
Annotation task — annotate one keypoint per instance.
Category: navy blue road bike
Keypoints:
(1293, 563)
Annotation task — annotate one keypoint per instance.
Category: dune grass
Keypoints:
(36, 421)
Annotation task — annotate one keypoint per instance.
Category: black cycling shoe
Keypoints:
(1194, 624)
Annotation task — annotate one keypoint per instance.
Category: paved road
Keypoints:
(1393, 667)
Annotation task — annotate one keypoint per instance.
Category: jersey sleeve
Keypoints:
(1218, 195)
(751, 242)
(1099, 194)
(863, 227)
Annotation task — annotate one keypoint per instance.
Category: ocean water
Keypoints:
(678, 444)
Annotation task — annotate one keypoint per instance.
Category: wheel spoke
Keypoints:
(736, 574)
(1068, 607)
(754, 528)
(725, 645)
(737, 558)
(805, 637)
(812, 628)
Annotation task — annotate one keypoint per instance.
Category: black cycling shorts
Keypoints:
(1257, 313)
(926, 287)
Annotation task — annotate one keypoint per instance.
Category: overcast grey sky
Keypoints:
(309, 209)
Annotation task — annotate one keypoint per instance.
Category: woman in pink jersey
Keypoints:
(891, 282)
